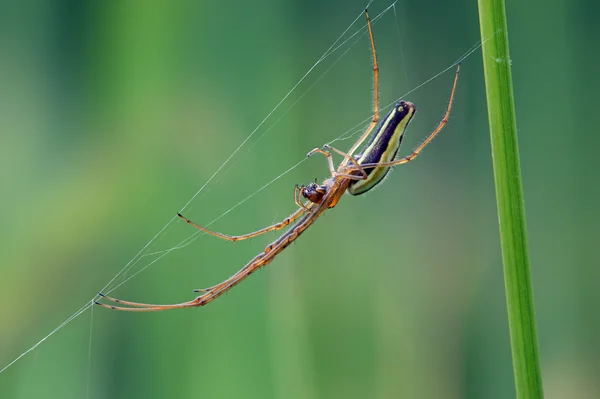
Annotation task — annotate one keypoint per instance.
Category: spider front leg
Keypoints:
(329, 158)
(351, 159)
(335, 173)
(297, 193)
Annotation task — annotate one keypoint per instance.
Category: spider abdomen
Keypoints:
(383, 147)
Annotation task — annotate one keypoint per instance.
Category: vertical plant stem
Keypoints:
(509, 197)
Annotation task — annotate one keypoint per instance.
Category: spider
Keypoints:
(356, 174)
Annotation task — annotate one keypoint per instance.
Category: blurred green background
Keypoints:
(114, 113)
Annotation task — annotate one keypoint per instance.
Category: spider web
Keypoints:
(347, 39)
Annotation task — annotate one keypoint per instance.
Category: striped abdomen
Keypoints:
(383, 146)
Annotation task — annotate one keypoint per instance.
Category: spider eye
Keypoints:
(405, 107)
(313, 193)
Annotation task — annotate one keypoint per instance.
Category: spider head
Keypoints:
(313, 192)
(405, 108)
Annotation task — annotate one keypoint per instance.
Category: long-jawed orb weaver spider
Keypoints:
(355, 175)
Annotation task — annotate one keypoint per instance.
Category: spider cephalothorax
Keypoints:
(313, 192)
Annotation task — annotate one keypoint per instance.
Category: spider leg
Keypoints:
(150, 308)
(210, 294)
(222, 284)
(335, 173)
(255, 264)
(375, 94)
(329, 158)
(276, 226)
(351, 158)
(428, 140)
(109, 298)
(297, 198)
(140, 307)
(252, 265)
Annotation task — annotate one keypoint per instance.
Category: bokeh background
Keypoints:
(114, 113)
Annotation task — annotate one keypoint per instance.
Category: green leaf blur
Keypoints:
(113, 114)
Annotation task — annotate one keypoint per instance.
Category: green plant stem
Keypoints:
(509, 196)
